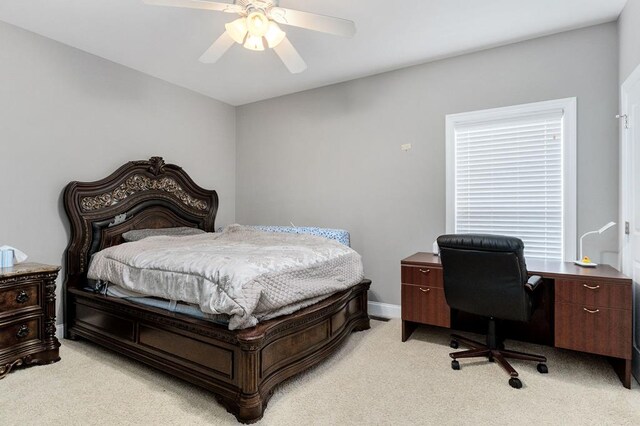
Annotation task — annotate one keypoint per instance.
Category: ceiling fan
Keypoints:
(258, 29)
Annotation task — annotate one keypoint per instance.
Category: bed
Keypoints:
(241, 367)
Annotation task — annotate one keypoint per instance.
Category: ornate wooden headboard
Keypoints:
(139, 195)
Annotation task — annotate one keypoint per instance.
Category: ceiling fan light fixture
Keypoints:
(274, 35)
(257, 24)
(237, 30)
(257, 28)
(254, 43)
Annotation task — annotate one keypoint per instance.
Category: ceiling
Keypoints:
(166, 42)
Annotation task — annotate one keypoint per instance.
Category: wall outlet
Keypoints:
(405, 147)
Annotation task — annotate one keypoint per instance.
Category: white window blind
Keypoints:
(509, 180)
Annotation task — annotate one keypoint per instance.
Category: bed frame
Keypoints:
(240, 367)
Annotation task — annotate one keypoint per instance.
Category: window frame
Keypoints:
(569, 160)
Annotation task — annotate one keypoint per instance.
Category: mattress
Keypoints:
(167, 305)
(243, 273)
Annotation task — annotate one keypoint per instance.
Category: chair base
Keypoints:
(498, 355)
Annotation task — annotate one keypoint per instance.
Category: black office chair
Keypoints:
(486, 275)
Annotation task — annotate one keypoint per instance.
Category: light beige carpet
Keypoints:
(375, 379)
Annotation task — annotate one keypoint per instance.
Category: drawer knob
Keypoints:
(590, 287)
(22, 297)
(424, 290)
(425, 271)
(23, 332)
(590, 311)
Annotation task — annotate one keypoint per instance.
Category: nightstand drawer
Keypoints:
(595, 294)
(587, 328)
(19, 331)
(425, 305)
(422, 275)
(19, 297)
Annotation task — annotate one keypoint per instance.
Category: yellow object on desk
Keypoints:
(586, 261)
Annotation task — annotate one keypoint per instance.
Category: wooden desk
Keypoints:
(582, 309)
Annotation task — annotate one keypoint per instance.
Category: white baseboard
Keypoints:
(384, 310)
(60, 331)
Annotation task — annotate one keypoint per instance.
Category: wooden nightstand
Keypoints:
(28, 316)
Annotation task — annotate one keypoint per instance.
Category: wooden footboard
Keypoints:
(240, 367)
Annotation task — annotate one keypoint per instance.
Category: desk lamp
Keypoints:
(585, 261)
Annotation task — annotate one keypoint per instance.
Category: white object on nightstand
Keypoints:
(17, 256)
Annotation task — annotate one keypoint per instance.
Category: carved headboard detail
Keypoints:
(140, 194)
(139, 183)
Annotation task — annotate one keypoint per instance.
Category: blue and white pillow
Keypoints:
(339, 235)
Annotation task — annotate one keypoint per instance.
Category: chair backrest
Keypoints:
(485, 275)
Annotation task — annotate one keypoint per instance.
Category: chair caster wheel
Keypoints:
(542, 368)
(515, 383)
(454, 344)
(491, 359)
(455, 365)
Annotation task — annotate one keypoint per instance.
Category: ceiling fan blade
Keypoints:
(217, 49)
(197, 4)
(290, 56)
(312, 21)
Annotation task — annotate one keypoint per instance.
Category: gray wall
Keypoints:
(66, 115)
(331, 156)
(629, 27)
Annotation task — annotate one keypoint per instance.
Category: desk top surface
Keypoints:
(545, 268)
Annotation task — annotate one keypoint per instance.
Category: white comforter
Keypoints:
(247, 274)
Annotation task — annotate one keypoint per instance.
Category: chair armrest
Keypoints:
(533, 283)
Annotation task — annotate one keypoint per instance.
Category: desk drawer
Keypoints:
(425, 305)
(422, 275)
(593, 294)
(600, 331)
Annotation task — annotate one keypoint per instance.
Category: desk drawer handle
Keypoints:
(22, 297)
(589, 287)
(427, 290)
(590, 311)
(23, 332)
(425, 271)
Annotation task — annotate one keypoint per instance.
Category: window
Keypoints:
(512, 171)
